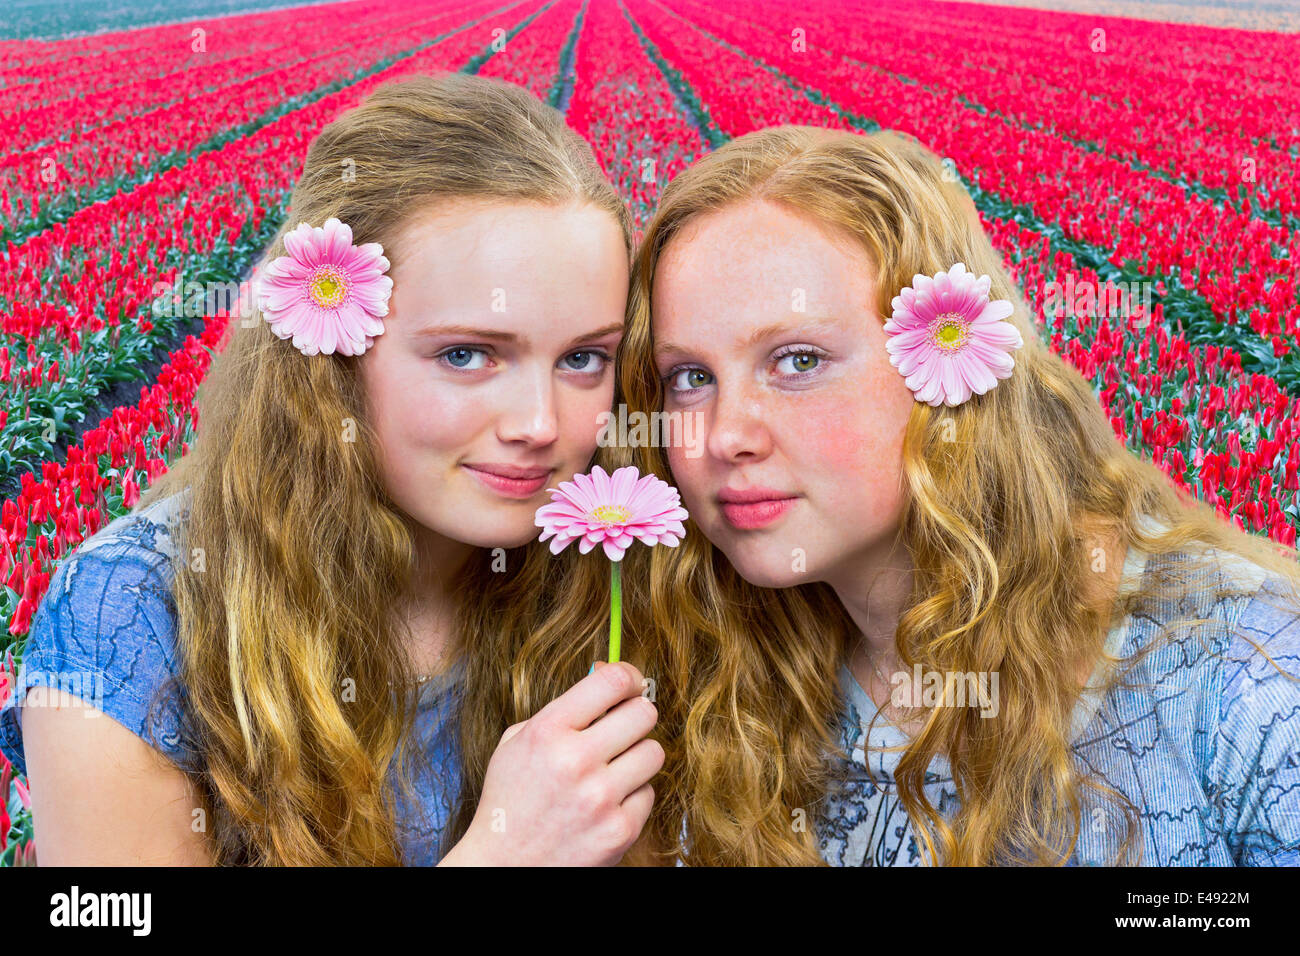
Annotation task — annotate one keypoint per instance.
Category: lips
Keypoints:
(750, 508)
(512, 481)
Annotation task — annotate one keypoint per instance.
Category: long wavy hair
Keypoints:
(1007, 498)
(303, 554)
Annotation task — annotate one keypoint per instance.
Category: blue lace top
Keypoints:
(104, 633)
(1204, 738)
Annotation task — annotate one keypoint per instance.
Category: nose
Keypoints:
(737, 432)
(528, 408)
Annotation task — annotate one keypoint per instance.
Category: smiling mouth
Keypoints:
(524, 483)
(750, 515)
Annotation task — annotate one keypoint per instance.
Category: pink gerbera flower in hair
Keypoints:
(612, 511)
(327, 293)
(948, 339)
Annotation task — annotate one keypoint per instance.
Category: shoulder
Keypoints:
(147, 531)
(111, 596)
(1223, 688)
(1262, 616)
(1204, 646)
(1254, 767)
(1227, 593)
(105, 632)
(1252, 652)
(1261, 660)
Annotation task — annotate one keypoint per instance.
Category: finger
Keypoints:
(621, 727)
(596, 693)
(636, 766)
(637, 806)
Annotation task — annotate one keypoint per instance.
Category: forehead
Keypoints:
(468, 247)
(758, 257)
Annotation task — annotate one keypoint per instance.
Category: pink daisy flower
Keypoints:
(948, 339)
(612, 511)
(327, 293)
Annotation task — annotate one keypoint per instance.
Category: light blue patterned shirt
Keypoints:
(1206, 745)
(105, 633)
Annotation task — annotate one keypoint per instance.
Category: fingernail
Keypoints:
(592, 671)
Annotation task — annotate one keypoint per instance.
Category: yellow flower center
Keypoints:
(328, 287)
(611, 514)
(949, 331)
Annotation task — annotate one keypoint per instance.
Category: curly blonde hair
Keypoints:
(1006, 497)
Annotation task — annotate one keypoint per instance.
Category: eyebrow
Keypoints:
(475, 332)
(816, 324)
(469, 331)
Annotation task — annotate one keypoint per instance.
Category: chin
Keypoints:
(477, 525)
(503, 535)
(531, 533)
(768, 570)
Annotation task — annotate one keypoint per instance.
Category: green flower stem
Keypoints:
(615, 609)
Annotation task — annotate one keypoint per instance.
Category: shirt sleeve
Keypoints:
(104, 633)
(1254, 772)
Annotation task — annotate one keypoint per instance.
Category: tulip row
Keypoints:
(95, 16)
(48, 99)
(1083, 81)
(532, 61)
(101, 479)
(1229, 437)
(1217, 262)
(624, 108)
(48, 183)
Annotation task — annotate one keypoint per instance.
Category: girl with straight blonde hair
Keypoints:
(932, 611)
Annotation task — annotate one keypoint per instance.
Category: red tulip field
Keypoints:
(1141, 180)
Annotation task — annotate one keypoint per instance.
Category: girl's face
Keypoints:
(495, 361)
(765, 328)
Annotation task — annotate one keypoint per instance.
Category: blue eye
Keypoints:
(796, 365)
(694, 379)
(583, 362)
(460, 358)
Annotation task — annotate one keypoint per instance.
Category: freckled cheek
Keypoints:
(690, 476)
(850, 445)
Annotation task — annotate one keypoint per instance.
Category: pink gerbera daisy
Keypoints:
(612, 511)
(948, 339)
(327, 293)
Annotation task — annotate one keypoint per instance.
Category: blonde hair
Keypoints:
(306, 555)
(1005, 497)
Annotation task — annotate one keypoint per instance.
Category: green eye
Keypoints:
(798, 362)
(693, 378)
